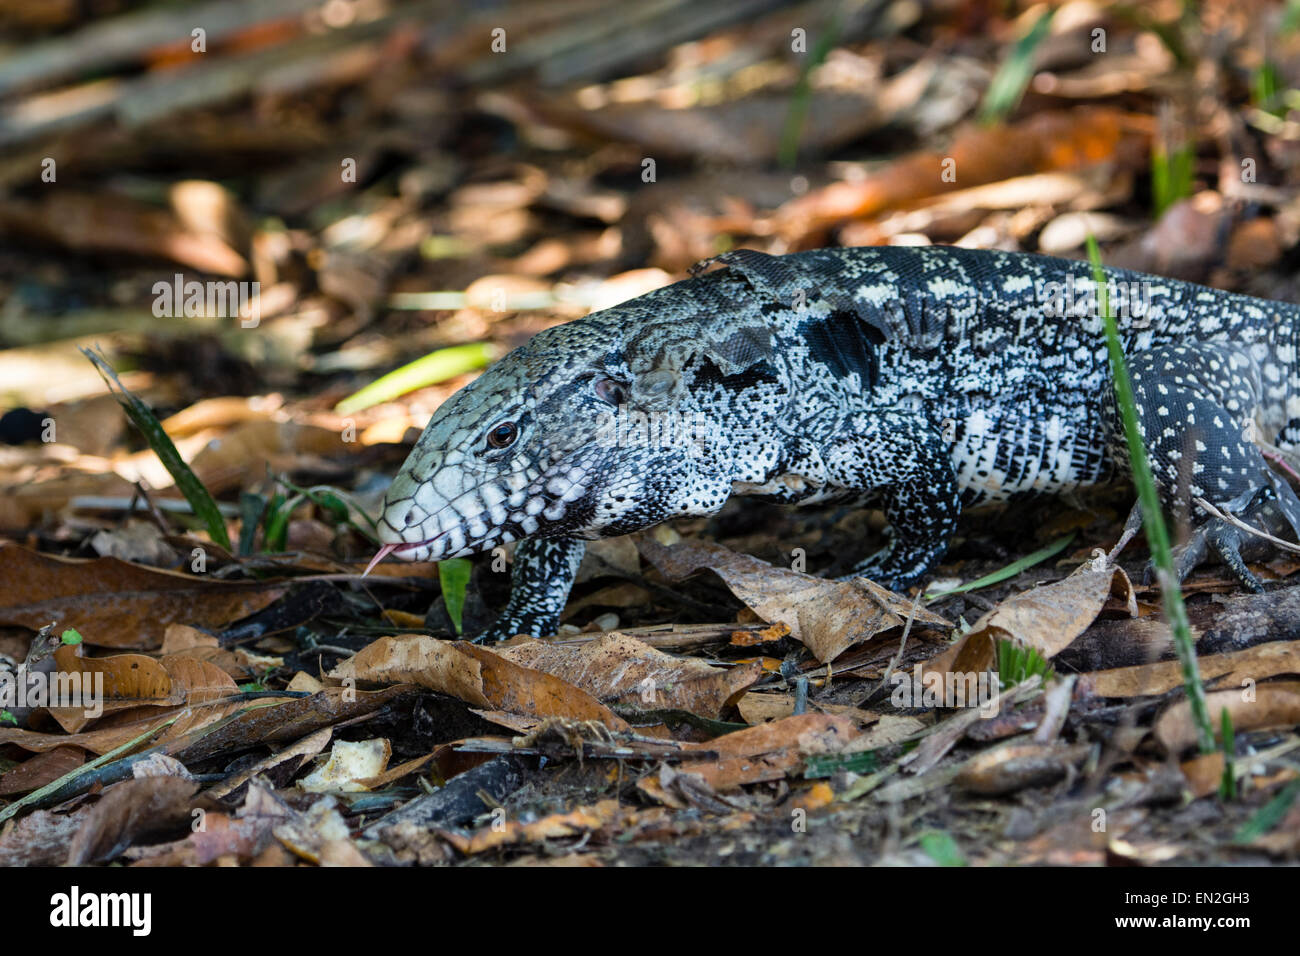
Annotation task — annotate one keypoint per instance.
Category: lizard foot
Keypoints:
(507, 627)
(897, 568)
(1232, 545)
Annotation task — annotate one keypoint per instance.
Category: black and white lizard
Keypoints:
(920, 381)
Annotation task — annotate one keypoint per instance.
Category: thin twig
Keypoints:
(1238, 523)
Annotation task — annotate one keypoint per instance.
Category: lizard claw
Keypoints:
(1214, 536)
(504, 629)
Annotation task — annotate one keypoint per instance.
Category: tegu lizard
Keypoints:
(919, 381)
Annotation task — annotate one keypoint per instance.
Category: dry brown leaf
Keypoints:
(116, 682)
(23, 505)
(115, 604)
(1254, 663)
(607, 816)
(760, 707)
(1055, 140)
(1047, 618)
(127, 811)
(37, 771)
(619, 669)
(244, 453)
(103, 222)
(890, 729)
(476, 675)
(190, 735)
(1270, 705)
(220, 412)
(826, 616)
(181, 640)
(221, 835)
(766, 751)
(1204, 773)
(38, 839)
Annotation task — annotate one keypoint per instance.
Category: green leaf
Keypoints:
(825, 765)
(430, 370)
(1153, 520)
(143, 419)
(1228, 784)
(8, 718)
(1017, 663)
(1010, 571)
(251, 508)
(453, 577)
(276, 526)
(1172, 172)
(1013, 76)
(70, 636)
(1269, 815)
(942, 848)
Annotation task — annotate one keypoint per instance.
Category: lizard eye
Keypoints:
(611, 391)
(503, 435)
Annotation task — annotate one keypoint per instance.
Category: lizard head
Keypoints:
(581, 432)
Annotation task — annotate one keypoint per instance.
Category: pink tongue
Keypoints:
(384, 552)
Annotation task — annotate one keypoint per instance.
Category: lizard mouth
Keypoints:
(398, 548)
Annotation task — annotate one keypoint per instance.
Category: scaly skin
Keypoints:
(921, 381)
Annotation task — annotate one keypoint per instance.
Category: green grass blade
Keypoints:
(1172, 172)
(1228, 785)
(36, 795)
(149, 426)
(1012, 78)
(801, 96)
(1269, 815)
(433, 368)
(1010, 571)
(1153, 521)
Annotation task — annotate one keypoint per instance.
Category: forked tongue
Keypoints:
(383, 552)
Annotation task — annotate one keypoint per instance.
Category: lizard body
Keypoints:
(921, 381)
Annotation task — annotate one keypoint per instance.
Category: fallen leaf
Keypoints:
(826, 616)
(127, 811)
(1254, 663)
(35, 772)
(482, 678)
(1016, 766)
(1270, 705)
(619, 669)
(1047, 618)
(766, 751)
(116, 604)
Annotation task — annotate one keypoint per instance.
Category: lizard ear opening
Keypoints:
(611, 391)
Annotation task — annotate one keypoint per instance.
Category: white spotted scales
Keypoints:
(920, 381)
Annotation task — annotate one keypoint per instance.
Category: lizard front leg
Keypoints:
(901, 460)
(540, 580)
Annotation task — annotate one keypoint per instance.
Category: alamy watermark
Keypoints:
(933, 689)
(23, 689)
(669, 430)
(178, 298)
(1126, 299)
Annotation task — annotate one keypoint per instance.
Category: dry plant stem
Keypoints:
(1238, 523)
(902, 644)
